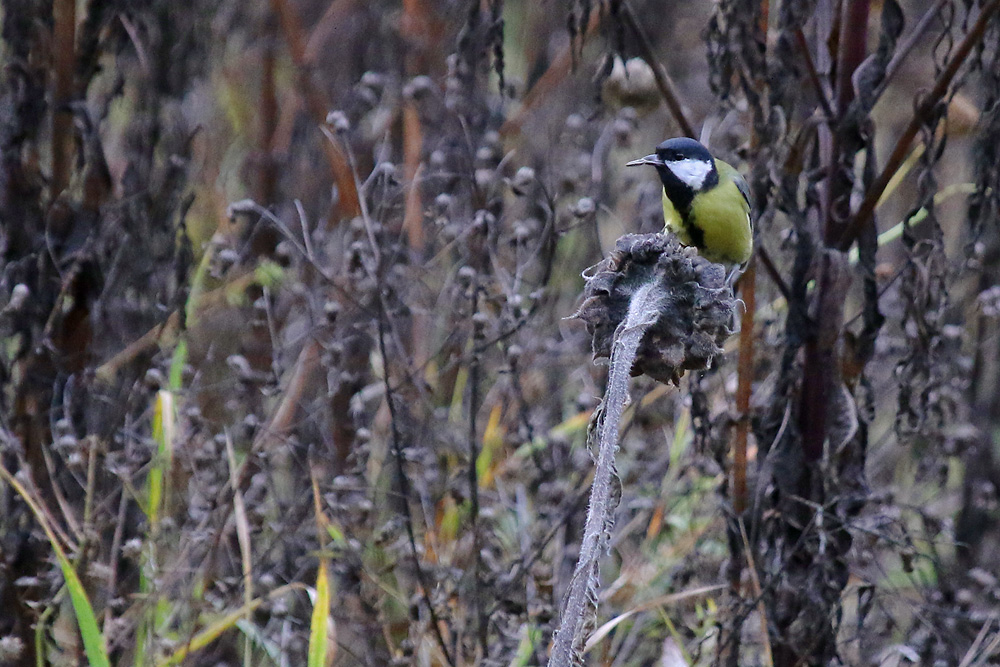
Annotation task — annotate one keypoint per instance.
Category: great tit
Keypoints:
(706, 202)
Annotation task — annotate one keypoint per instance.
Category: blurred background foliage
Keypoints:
(286, 371)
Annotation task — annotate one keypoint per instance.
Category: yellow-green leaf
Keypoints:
(163, 436)
(318, 636)
(335, 533)
(215, 629)
(492, 442)
(93, 640)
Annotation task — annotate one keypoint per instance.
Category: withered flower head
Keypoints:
(694, 308)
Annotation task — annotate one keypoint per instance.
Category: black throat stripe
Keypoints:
(681, 195)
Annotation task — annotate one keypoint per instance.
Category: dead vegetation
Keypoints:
(287, 374)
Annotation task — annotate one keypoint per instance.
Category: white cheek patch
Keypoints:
(692, 172)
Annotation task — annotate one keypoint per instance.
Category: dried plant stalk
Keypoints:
(581, 604)
(677, 311)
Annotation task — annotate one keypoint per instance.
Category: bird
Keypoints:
(706, 203)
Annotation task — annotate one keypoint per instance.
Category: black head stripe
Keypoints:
(712, 179)
(681, 148)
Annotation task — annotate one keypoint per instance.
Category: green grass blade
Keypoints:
(164, 427)
(163, 436)
(320, 618)
(214, 630)
(257, 638)
(93, 640)
(896, 231)
(209, 634)
(531, 636)
(43, 621)
(175, 378)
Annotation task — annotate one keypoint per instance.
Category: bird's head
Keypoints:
(682, 164)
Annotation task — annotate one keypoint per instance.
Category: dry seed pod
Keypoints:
(694, 312)
(632, 84)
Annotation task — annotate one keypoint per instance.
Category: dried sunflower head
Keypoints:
(694, 309)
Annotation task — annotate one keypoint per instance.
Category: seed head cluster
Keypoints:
(694, 312)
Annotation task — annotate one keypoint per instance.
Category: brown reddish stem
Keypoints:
(821, 356)
(744, 387)
(819, 373)
(317, 105)
(165, 333)
(419, 29)
(558, 69)
(283, 419)
(413, 141)
(325, 28)
(851, 51)
(267, 176)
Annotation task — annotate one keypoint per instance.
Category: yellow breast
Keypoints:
(720, 216)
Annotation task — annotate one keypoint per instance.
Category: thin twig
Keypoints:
(113, 559)
(474, 379)
(757, 591)
(663, 81)
(242, 524)
(911, 40)
(404, 491)
(374, 272)
(772, 271)
(824, 100)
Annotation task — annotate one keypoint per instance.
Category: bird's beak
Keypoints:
(649, 159)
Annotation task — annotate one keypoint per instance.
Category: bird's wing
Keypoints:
(726, 170)
(744, 188)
